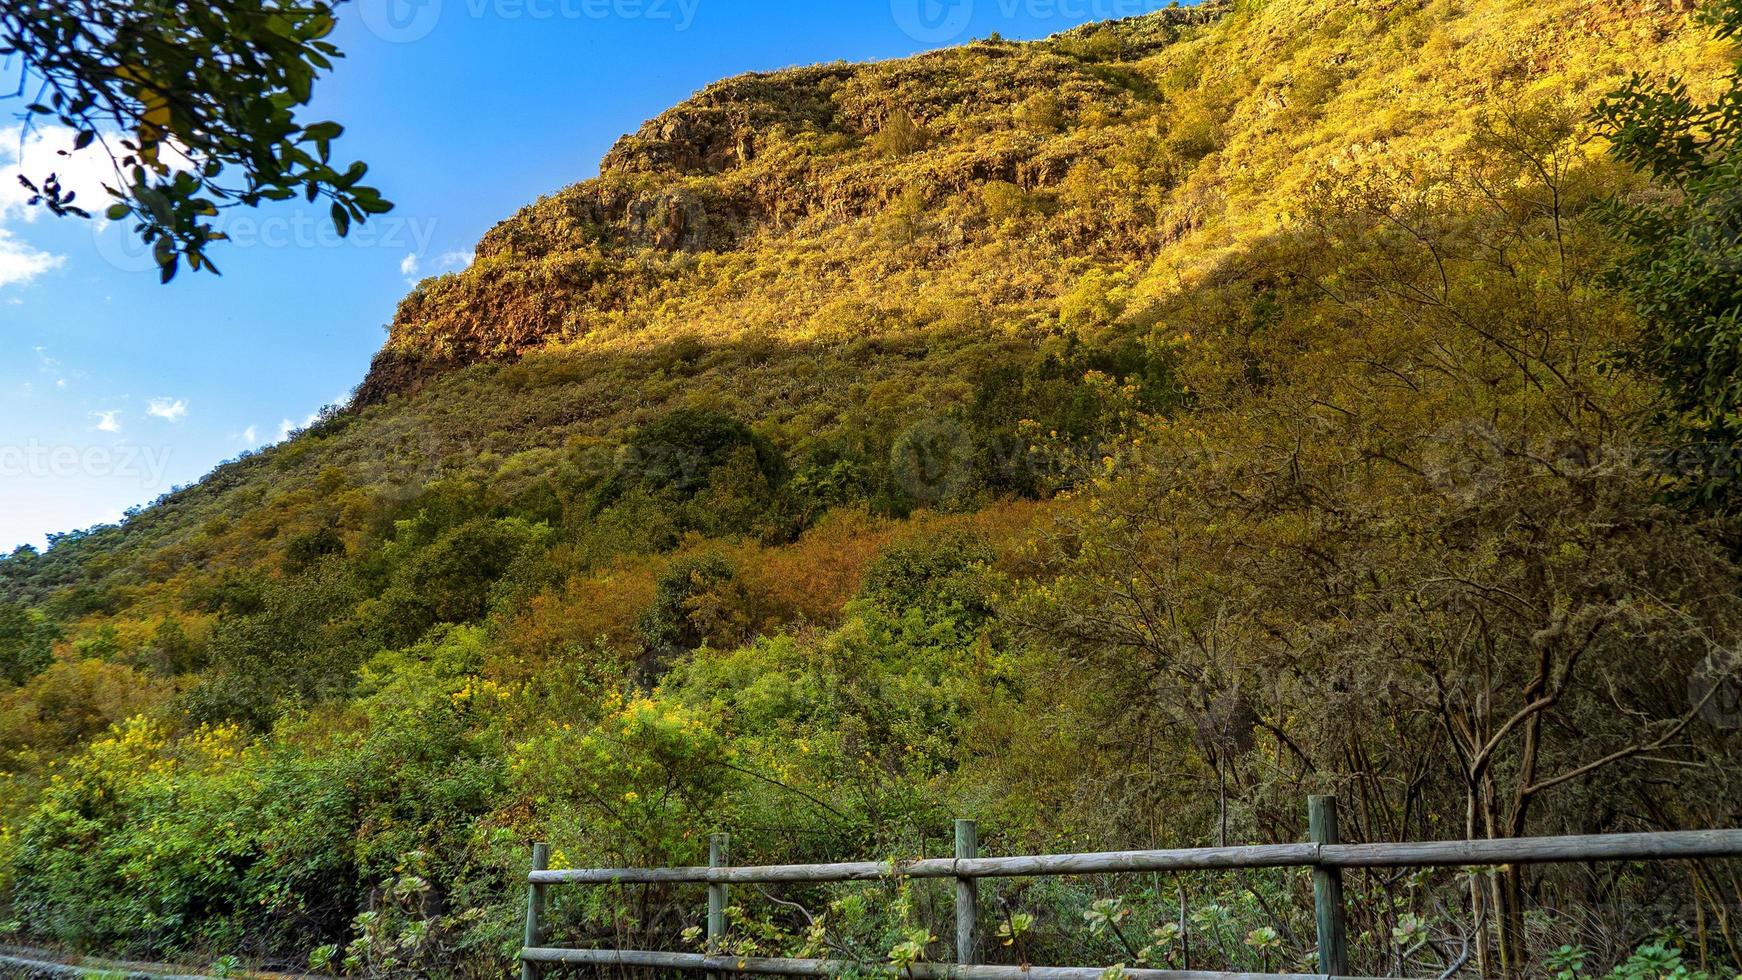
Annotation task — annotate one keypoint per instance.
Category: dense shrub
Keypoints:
(721, 476)
(26, 642)
(304, 643)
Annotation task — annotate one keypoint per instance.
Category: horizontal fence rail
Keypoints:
(829, 968)
(1325, 855)
(1438, 854)
(1109, 862)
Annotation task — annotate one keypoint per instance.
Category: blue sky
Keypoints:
(114, 388)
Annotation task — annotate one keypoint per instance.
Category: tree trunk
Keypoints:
(1478, 909)
(1510, 883)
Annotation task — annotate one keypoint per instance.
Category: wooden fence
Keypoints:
(1324, 854)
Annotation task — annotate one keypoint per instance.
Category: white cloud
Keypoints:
(251, 436)
(286, 427)
(168, 409)
(20, 263)
(35, 155)
(412, 266)
(50, 365)
(107, 421)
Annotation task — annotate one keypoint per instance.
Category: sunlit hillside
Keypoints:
(1113, 438)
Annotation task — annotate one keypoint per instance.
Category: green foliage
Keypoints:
(26, 643)
(900, 135)
(195, 105)
(303, 643)
(1032, 425)
(305, 550)
(1004, 201)
(905, 222)
(162, 864)
(446, 576)
(152, 841)
(719, 475)
(633, 787)
(935, 576)
(680, 618)
(1091, 303)
(679, 452)
(1654, 961)
(1040, 113)
(1685, 269)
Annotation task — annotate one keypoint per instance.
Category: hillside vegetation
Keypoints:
(1113, 438)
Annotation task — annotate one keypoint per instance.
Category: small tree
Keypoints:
(901, 135)
(905, 220)
(1040, 113)
(26, 643)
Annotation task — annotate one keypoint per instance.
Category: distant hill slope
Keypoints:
(1177, 137)
(840, 247)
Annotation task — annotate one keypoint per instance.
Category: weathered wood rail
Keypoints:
(1324, 855)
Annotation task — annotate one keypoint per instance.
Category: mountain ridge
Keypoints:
(773, 157)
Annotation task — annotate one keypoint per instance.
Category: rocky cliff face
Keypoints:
(770, 156)
(766, 199)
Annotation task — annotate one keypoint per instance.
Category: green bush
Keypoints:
(677, 455)
(26, 642)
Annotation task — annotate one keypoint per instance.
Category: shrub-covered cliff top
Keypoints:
(829, 203)
(830, 248)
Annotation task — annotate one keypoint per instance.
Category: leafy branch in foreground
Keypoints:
(195, 105)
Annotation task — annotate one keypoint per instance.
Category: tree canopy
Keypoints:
(196, 106)
(1685, 270)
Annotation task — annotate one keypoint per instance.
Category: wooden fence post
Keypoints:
(967, 892)
(719, 852)
(1328, 890)
(535, 911)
